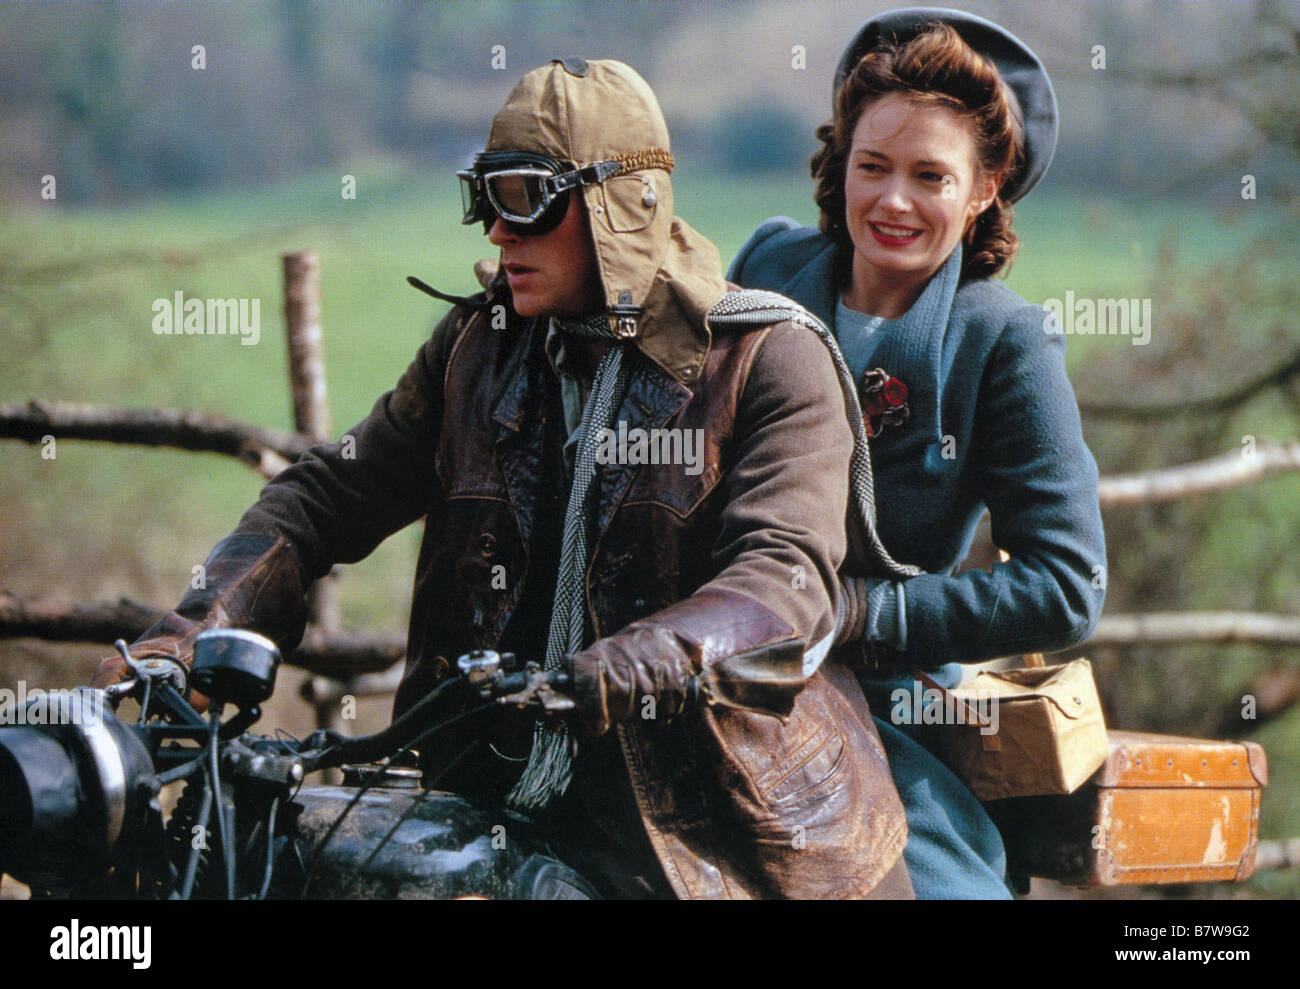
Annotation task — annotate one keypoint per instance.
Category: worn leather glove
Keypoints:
(113, 669)
(252, 581)
(717, 646)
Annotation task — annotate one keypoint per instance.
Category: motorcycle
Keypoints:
(81, 814)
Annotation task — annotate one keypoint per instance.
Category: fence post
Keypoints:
(311, 416)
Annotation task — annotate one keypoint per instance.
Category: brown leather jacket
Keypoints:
(776, 785)
(774, 782)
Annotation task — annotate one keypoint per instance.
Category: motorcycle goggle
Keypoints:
(530, 192)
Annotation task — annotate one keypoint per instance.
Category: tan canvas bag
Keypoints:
(1046, 734)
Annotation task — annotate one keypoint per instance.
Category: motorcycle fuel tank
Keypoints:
(402, 843)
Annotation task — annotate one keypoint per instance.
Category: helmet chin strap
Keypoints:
(625, 316)
(458, 300)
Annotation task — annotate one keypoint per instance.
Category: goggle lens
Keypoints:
(469, 197)
(531, 195)
(519, 195)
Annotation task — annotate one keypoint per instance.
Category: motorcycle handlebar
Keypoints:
(505, 687)
(513, 683)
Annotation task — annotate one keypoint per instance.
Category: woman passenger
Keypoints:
(941, 121)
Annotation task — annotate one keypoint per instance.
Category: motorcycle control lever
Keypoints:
(484, 670)
(154, 668)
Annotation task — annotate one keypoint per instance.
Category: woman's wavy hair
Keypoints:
(935, 67)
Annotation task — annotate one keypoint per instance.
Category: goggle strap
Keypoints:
(587, 175)
(594, 174)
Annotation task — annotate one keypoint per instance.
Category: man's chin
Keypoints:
(526, 307)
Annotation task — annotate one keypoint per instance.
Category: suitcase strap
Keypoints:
(989, 739)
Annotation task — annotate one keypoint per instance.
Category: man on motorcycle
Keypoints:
(622, 480)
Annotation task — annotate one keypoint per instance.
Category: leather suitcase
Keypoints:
(1162, 809)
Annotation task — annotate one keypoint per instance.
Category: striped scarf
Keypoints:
(550, 765)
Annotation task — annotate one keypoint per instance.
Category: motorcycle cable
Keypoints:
(414, 804)
(227, 840)
(270, 849)
(374, 777)
(367, 748)
(144, 701)
(363, 748)
(182, 771)
(192, 863)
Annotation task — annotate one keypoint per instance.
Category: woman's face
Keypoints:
(910, 190)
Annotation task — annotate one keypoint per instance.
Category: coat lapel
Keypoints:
(518, 415)
(653, 398)
(814, 285)
(914, 351)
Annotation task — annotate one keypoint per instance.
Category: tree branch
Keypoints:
(267, 451)
(330, 690)
(1207, 404)
(54, 621)
(1228, 470)
(1180, 627)
(348, 655)
(75, 622)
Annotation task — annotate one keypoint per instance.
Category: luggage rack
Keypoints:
(1162, 809)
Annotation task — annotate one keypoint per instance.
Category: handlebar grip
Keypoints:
(509, 683)
(512, 683)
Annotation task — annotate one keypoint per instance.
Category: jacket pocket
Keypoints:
(812, 792)
(813, 769)
(674, 489)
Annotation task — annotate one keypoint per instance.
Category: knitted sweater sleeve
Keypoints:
(1039, 481)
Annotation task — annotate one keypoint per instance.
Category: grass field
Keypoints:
(79, 285)
(76, 294)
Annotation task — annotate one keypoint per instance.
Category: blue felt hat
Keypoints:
(1034, 103)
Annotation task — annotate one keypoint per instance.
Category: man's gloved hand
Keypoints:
(113, 669)
(715, 647)
(613, 678)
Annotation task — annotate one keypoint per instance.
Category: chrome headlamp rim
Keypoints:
(83, 712)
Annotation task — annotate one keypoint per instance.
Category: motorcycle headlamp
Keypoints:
(530, 192)
(71, 788)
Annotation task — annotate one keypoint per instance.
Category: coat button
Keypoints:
(487, 545)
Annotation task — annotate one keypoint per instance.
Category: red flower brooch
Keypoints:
(884, 401)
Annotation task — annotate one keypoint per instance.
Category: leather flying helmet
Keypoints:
(593, 128)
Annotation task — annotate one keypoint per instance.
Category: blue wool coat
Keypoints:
(993, 423)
